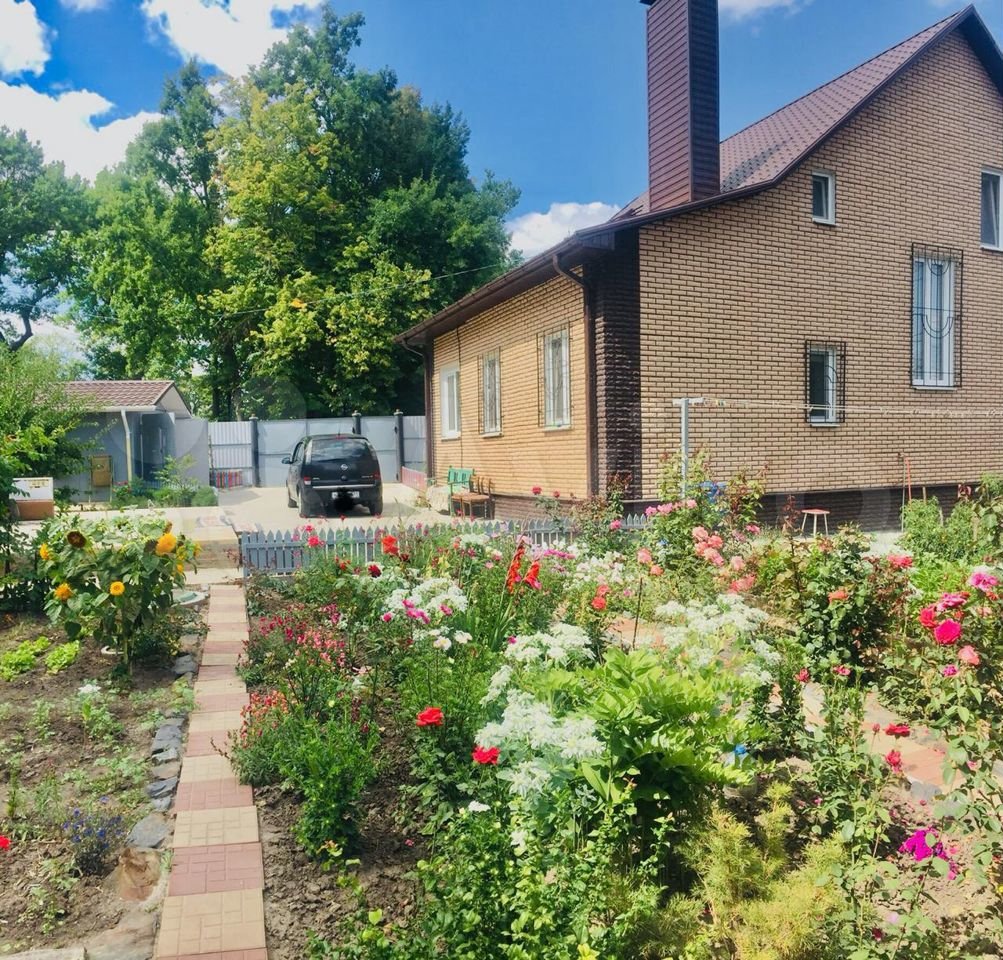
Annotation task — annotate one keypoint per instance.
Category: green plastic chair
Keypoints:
(457, 478)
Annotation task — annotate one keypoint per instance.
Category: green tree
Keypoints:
(281, 248)
(41, 210)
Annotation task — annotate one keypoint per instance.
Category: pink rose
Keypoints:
(982, 581)
(752, 528)
(950, 670)
(967, 654)
(699, 533)
(947, 632)
(537, 491)
(656, 570)
(615, 524)
(650, 511)
(644, 556)
(900, 561)
(387, 617)
(737, 564)
(712, 556)
(715, 541)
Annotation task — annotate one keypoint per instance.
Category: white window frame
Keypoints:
(449, 402)
(829, 415)
(830, 197)
(557, 392)
(998, 175)
(491, 401)
(925, 339)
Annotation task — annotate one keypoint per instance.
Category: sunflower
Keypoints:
(181, 568)
(63, 592)
(44, 552)
(76, 539)
(117, 588)
(166, 544)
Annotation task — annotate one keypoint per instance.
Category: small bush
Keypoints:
(95, 836)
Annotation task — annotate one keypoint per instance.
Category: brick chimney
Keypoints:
(683, 102)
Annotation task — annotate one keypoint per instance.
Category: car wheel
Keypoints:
(376, 506)
(304, 505)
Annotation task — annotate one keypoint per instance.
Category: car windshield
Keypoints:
(337, 448)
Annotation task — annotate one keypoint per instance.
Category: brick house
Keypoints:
(829, 280)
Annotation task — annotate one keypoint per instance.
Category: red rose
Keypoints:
(389, 546)
(894, 760)
(557, 494)
(947, 632)
(897, 730)
(486, 755)
(429, 717)
(4, 843)
(598, 602)
(314, 541)
(928, 617)
(537, 491)
(802, 676)
(374, 570)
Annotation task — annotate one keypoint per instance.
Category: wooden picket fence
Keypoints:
(286, 551)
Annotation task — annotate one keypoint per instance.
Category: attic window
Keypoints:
(823, 197)
(991, 209)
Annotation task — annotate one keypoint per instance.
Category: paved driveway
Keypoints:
(266, 508)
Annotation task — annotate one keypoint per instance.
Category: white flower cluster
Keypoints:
(761, 668)
(538, 746)
(691, 625)
(431, 596)
(564, 644)
(443, 638)
(472, 539)
(610, 569)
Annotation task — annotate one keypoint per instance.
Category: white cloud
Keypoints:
(24, 44)
(64, 125)
(85, 6)
(746, 8)
(229, 34)
(532, 233)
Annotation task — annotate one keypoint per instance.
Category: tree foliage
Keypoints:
(41, 212)
(267, 240)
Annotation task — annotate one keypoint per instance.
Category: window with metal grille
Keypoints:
(555, 379)
(490, 393)
(936, 316)
(825, 382)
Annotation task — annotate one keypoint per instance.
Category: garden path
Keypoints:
(214, 909)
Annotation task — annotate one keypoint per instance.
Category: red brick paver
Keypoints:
(214, 909)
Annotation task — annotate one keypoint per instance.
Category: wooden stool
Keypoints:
(815, 513)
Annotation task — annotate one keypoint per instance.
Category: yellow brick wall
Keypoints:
(730, 294)
(525, 453)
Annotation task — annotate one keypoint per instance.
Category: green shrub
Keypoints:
(62, 656)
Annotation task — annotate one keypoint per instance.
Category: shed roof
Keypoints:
(753, 159)
(142, 396)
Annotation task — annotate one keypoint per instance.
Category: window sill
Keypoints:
(933, 387)
(490, 434)
(450, 436)
(824, 424)
(823, 222)
(989, 248)
(557, 427)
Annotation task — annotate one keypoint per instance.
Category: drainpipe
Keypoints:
(591, 412)
(128, 447)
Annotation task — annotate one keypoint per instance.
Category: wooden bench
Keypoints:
(481, 492)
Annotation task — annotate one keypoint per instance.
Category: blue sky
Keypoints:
(553, 90)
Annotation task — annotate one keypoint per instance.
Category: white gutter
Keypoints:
(128, 447)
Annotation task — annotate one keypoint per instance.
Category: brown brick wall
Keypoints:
(730, 294)
(616, 313)
(525, 453)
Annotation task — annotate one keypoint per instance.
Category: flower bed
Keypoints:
(474, 749)
(81, 694)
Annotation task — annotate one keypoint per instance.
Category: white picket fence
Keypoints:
(285, 551)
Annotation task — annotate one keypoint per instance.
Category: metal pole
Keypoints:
(684, 441)
(255, 471)
(399, 436)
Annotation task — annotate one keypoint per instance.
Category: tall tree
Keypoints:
(41, 210)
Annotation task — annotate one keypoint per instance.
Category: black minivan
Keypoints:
(333, 470)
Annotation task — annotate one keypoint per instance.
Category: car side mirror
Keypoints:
(287, 459)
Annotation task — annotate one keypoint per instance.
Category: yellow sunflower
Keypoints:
(181, 568)
(117, 588)
(166, 544)
(63, 592)
(44, 552)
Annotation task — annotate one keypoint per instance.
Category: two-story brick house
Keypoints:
(829, 280)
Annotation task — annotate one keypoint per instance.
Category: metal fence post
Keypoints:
(255, 474)
(399, 436)
(357, 423)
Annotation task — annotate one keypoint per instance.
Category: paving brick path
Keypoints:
(214, 909)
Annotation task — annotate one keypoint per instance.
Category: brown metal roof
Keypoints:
(121, 394)
(757, 157)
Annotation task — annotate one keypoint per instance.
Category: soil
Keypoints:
(302, 897)
(44, 900)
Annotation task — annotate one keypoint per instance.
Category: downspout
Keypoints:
(591, 411)
(128, 447)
